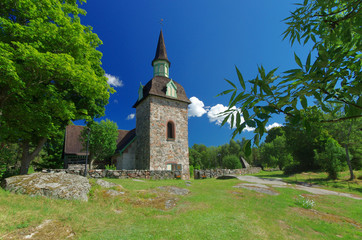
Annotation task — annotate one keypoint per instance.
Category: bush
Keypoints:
(332, 159)
(231, 162)
(8, 160)
(2, 170)
(191, 171)
(110, 167)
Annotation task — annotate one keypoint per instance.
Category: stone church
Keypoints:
(160, 139)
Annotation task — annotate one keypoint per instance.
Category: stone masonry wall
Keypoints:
(162, 150)
(214, 173)
(122, 174)
(143, 134)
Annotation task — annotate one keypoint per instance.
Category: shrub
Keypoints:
(332, 159)
(8, 160)
(231, 162)
(191, 171)
(110, 167)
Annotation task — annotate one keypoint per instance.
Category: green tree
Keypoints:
(349, 135)
(51, 155)
(332, 158)
(276, 153)
(302, 139)
(231, 162)
(102, 140)
(195, 158)
(333, 76)
(274, 133)
(50, 72)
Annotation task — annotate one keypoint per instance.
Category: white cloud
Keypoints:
(215, 115)
(196, 108)
(113, 80)
(272, 126)
(131, 116)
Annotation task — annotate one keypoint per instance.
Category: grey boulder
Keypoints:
(53, 185)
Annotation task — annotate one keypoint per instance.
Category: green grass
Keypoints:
(213, 210)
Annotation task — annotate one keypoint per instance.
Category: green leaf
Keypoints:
(225, 120)
(263, 116)
(245, 114)
(241, 79)
(288, 109)
(313, 38)
(267, 89)
(232, 121)
(232, 84)
(225, 92)
(238, 98)
(250, 123)
(232, 97)
(307, 64)
(247, 148)
(238, 119)
(324, 108)
(303, 101)
(297, 60)
(248, 101)
(256, 139)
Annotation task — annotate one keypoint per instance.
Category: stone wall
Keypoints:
(143, 134)
(214, 173)
(154, 150)
(162, 150)
(122, 174)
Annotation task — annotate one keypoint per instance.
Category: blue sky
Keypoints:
(204, 41)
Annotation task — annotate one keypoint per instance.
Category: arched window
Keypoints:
(170, 131)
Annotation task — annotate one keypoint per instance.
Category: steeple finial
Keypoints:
(161, 53)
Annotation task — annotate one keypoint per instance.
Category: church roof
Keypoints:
(126, 139)
(161, 53)
(157, 87)
(73, 145)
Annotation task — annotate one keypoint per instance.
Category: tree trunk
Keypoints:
(27, 156)
(347, 154)
(91, 164)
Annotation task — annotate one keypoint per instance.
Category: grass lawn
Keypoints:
(213, 210)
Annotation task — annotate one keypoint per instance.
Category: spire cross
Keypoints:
(161, 22)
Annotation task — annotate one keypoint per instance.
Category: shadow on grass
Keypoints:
(326, 182)
(273, 176)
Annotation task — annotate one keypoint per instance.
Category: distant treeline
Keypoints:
(293, 148)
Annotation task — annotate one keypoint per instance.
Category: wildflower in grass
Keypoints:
(305, 202)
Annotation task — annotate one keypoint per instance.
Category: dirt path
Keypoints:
(278, 182)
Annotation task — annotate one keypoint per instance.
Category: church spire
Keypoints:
(160, 63)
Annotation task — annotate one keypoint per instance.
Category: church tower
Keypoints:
(161, 119)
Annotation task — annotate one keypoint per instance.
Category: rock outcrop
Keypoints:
(54, 185)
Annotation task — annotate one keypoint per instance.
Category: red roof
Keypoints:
(73, 145)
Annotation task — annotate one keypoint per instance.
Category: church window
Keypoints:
(170, 131)
(171, 89)
(174, 167)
